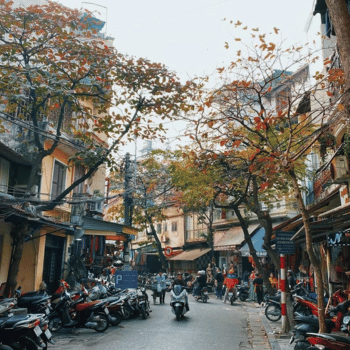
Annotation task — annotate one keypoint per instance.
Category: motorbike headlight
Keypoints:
(346, 320)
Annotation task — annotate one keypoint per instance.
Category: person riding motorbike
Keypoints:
(230, 281)
(181, 282)
(200, 282)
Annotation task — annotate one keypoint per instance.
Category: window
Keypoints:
(165, 229)
(58, 179)
(278, 205)
(4, 175)
(189, 222)
(223, 214)
(217, 214)
(174, 226)
(159, 228)
(79, 172)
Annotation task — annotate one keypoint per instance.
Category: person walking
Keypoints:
(219, 279)
(251, 286)
(258, 284)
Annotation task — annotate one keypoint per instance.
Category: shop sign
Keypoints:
(340, 238)
(125, 279)
(283, 243)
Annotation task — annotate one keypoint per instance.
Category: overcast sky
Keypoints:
(188, 36)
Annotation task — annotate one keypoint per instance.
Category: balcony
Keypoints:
(196, 235)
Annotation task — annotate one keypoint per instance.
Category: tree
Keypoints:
(241, 120)
(206, 179)
(59, 80)
(152, 195)
(339, 14)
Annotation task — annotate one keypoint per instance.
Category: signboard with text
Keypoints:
(283, 243)
(126, 279)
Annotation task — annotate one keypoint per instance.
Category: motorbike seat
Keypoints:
(307, 319)
(9, 322)
(274, 298)
(84, 306)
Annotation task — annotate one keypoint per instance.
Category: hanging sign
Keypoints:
(283, 243)
(340, 238)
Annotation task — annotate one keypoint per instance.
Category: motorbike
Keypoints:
(24, 331)
(178, 297)
(203, 295)
(143, 306)
(34, 302)
(318, 341)
(79, 313)
(310, 324)
(242, 292)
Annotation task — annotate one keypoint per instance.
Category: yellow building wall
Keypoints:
(32, 263)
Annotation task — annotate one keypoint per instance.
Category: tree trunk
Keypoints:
(18, 233)
(252, 251)
(341, 22)
(162, 258)
(313, 258)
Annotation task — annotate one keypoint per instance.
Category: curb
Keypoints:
(272, 339)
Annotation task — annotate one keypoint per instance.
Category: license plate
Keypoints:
(205, 293)
(230, 294)
(48, 334)
(47, 311)
(37, 331)
(106, 311)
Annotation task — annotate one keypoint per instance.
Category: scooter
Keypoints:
(203, 296)
(327, 342)
(178, 299)
(79, 313)
(242, 292)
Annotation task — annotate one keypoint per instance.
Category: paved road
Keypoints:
(210, 326)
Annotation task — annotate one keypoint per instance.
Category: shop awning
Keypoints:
(258, 241)
(98, 227)
(190, 255)
(231, 239)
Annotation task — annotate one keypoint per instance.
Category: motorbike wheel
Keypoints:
(302, 346)
(55, 324)
(28, 344)
(177, 313)
(103, 322)
(127, 313)
(205, 299)
(242, 297)
(143, 311)
(231, 300)
(154, 300)
(5, 347)
(118, 318)
(273, 312)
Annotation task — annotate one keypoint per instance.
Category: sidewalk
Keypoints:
(266, 334)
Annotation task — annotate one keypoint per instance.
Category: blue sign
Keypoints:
(284, 245)
(126, 279)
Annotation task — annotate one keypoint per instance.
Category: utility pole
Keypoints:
(128, 200)
(128, 205)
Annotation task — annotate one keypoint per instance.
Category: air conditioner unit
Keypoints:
(340, 168)
(96, 206)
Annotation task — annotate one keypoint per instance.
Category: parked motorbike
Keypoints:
(242, 292)
(310, 324)
(79, 313)
(35, 302)
(178, 297)
(143, 306)
(17, 327)
(318, 341)
(203, 295)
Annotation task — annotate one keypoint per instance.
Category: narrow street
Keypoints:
(208, 326)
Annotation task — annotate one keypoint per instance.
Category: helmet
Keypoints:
(94, 293)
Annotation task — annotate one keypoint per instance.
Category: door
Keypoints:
(53, 262)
